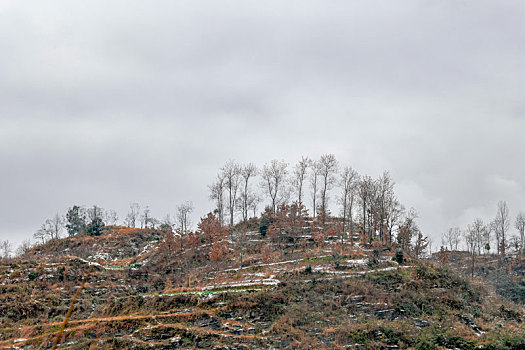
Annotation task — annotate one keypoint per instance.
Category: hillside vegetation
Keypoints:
(145, 291)
(286, 279)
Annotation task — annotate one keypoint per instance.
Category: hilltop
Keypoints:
(144, 291)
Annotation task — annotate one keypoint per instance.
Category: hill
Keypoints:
(150, 289)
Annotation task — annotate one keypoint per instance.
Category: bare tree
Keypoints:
(314, 183)
(501, 226)
(452, 237)
(520, 226)
(95, 212)
(110, 217)
(6, 249)
(487, 237)
(408, 229)
(247, 172)
(299, 176)
(470, 240)
(253, 202)
(348, 183)
(273, 180)
(477, 233)
(240, 240)
(55, 225)
(24, 247)
(183, 217)
(231, 174)
(366, 191)
(217, 194)
(384, 206)
(133, 215)
(393, 211)
(41, 234)
(328, 169)
(145, 218)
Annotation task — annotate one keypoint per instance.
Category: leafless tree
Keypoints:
(133, 215)
(145, 218)
(24, 247)
(183, 217)
(41, 234)
(328, 170)
(470, 239)
(253, 202)
(501, 226)
(348, 184)
(247, 172)
(95, 212)
(477, 233)
(217, 194)
(240, 240)
(520, 226)
(154, 222)
(231, 174)
(452, 237)
(55, 225)
(273, 180)
(166, 224)
(299, 176)
(366, 192)
(6, 249)
(487, 237)
(384, 206)
(408, 229)
(110, 217)
(394, 212)
(315, 175)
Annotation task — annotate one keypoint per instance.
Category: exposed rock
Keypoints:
(468, 321)
(357, 298)
(389, 314)
(421, 323)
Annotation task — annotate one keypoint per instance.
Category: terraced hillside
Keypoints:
(139, 294)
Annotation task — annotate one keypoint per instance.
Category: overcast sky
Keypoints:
(113, 102)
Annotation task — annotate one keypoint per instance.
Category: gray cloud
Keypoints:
(111, 103)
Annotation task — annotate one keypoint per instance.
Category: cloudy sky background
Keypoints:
(115, 102)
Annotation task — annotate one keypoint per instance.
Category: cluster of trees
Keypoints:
(369, 211)
(91, 221)
(298, 200)
(480, 237)
(7, 251)
(77, 220)
(367, 207)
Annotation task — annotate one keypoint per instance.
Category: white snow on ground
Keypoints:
(90, 262)
(273, 264)
(101, 256)
(326, 269)
(270, 281)
(257, 274)
(357, 262)
(391, 268)
(261, 265)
